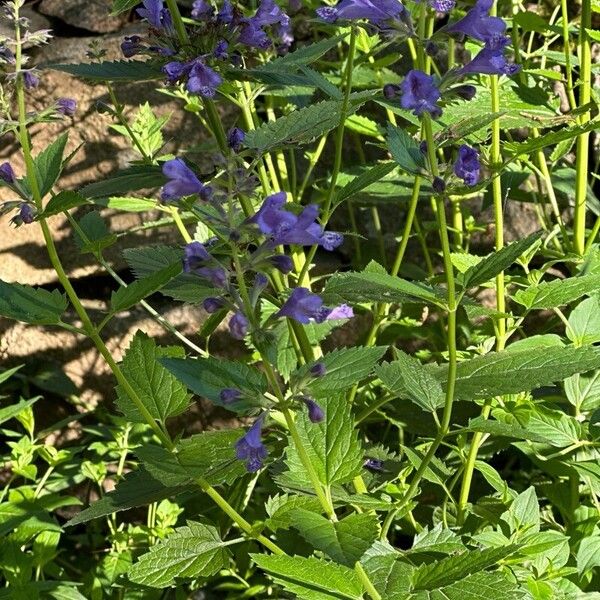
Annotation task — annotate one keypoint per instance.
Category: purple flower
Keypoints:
(155, 13)
(6, 173)
(467, 166)
(438, 185)
(491, 61)
(203, 80)
(26, 213)
(284, 227)
(282, 262)
(235, 138)
(161, 50)
(479, 25)
(131, 46)
(315, 412)
(374, 464)
(229, 395)
(375, 11)
(252, 35)
(442, 6)
(201, 10)
(269, 13)
(238, 326)
(195, 257)
(420, 94)
(212, 305)
(7, 55)
(183, 181)
(30, 79)
(66, 106)
(250, 447)
(225, 15)
(318, 370)
(221, 50)
(304, 306)
(391, 90)
(176, 70)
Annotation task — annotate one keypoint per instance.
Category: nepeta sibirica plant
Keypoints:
(413, 405)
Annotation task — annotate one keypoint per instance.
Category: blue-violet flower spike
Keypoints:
(467, 166)
(26, 213)
(235, 138)
(238, 326)
(420, 94)
(203, 80)
(375, 11)
(250, 447)
(478, 24)
(304, 306)
(155, 13)
(66, 106)
(183, 180)
(315, 412)
(6, 173)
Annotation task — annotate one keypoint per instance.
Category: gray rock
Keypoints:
(93, 15)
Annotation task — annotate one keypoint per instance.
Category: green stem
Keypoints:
(496, 159)
(360, 571)
(567, 52)
(178, 23)
(583, 141)
(216, 125)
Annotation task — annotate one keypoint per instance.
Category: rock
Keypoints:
(93, 15)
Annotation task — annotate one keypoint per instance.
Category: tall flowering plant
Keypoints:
(370, 469)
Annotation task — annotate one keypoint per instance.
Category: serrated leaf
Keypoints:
(437, 539)
(391, 576)
(62, 202)
(405, 150)
(499, 373)
(119, 6)
(584, 322)
(162, 395)
(129, 295)
(127, 204)
(557, 292)
(332, 445)
(311, 578)
(500, 429)
(208, 376)
(523, 515)
(49, 162)
(9, 412)
(304, 55)
(129, 180)
(31, 305)
(280, 509)
(186, 287)
(559, 429)
(119, 70)
(454, 568)
(379, 287)
(195, 550)
(495, 263)
(588, 555)
(302, 126)
(365, 179)
(138, 488)
(408, 378)
(344, 541)
(97, 235)
(344, 368)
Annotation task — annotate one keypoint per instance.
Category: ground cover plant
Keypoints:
(417, 417)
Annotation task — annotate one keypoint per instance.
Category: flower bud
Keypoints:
(315, 412)
(229, 395)
(390, 91)
(432, 49)
(212, 305)
(6, 173)
(27, 214)
(466, 92)
(282, 262)
(374, 464)
(439, 185)
(318, 370)
(66, 106)
(235, 139)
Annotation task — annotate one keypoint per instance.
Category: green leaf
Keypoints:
(332, 445)
(186, 287)
(9, 412)
(391, 576)
(344, 541)
(119, 6)
(97, 236)
(6, 375)
(303, 56)
(365, 179)
(31, 305)
(454, 568)
(138, 488)
(370, 286)
(406, 377)
(559, 429)
(208, 376)
(405, 150)
(127, 204)
(557, 292)
(499, 373)
(281, 507)
(129, 180)
(311, 578)
(302, 126)
(118, 71)
(211, 454)
(195, 550)
(438, 539)
(588, 555)
(584, 322)
(49, 162)
(497, 262)
(62, 202)
(129, 295)
(162, 395)
(501, 429)
(344, 368)
(523, 515)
